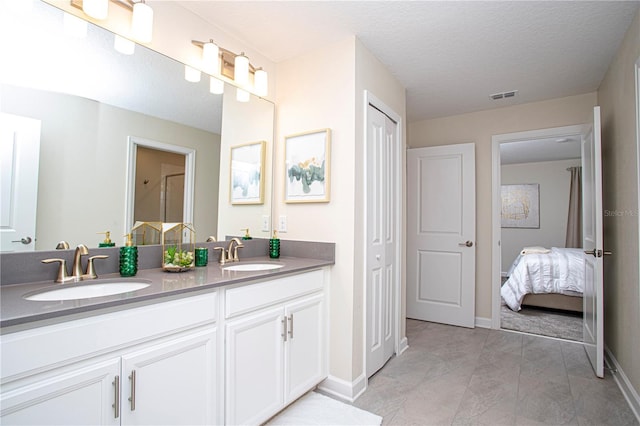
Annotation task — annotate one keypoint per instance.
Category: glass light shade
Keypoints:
(97, 9)
(243, 95)
(210, 58)
(191, 74)
(261, 82)
(216, 86)
(74, 26)
(142, 22)
(241, 70)
(123, 45)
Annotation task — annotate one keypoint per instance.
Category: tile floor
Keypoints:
(458, 376)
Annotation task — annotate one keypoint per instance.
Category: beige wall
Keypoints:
(479, 127)
(616, 96)
(316, 91)
(555, 182)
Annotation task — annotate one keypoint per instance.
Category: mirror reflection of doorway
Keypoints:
(159, 185)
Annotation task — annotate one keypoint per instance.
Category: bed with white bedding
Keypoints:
(549, 278)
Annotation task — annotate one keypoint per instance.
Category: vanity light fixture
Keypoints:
(141, 20)
(218, 61)
(191, 74)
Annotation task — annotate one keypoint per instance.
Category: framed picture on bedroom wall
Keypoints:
(520, 206)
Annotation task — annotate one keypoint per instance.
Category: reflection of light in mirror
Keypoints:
(191, 74)
(142, 22)
(124, 46)
(216, 86)
(242, 95)
(74, 26)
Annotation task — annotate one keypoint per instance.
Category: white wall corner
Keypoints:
(483, 322)
(342, 389)
(627, 389)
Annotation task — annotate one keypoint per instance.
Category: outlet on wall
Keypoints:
(282, 224)
(265, 223)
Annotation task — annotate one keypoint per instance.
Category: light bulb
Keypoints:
(241, 70)
(97, 9)
(261, 82)
(210, 58)
(142, 22)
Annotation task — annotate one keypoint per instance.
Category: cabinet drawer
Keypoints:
(248, 298)
(60, 344)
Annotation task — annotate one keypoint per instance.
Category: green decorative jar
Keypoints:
(128, 259)
(274, 246)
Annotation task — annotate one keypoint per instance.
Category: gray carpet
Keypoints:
(542, 322)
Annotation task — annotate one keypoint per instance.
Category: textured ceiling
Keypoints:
(450, 55)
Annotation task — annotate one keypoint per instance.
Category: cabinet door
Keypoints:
(86, 396)
(254, 367)
(172, 383)
(304, 350)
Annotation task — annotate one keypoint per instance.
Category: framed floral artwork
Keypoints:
(247, 173)
(307, 165)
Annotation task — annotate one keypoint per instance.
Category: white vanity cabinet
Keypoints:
(156, 364)
(275, 345)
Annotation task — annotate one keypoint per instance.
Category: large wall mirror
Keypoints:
(92, 101)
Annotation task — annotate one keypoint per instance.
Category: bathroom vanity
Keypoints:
(208, 346)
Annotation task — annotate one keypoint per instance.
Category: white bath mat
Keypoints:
(316, 409)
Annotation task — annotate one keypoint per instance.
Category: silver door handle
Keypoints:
(25, 240)
(116, 404)
(291, 326)
(132, 398)
(598, 253)
(466, 244)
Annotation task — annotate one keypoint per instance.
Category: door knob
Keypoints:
(25, 240)
(466, 244)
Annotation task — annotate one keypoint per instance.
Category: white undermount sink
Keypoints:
(253, 267)
(89, 290)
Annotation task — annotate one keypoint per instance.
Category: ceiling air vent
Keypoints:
(509, 94)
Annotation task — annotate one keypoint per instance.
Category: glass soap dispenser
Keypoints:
(274, 246)
(107, 240)
(128, 258)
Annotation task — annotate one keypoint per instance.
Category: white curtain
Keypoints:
(574, 220)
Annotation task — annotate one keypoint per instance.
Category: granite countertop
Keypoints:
(17, 311)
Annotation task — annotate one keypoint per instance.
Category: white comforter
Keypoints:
(560, 271)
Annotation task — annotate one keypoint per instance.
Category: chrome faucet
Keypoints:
(232, 249)
(76, 268)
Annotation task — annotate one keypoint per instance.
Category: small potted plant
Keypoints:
(178, 245)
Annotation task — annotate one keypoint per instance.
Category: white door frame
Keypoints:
(496, 250)
(369, 98)
(189, 176)
(637, 75)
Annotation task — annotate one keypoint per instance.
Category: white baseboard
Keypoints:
(627, 389)
(483, 322)
(342, 389)
(404, 345)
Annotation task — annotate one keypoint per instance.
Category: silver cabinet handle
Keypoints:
(291, 326)
(466, 244)
(284, 328)
(132, 398)
(116, 404)
(25, 240)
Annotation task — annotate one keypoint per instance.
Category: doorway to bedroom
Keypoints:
(537, 197)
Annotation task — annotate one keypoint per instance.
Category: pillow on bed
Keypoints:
(535, 250)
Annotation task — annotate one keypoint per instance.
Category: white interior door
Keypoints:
(19, 161)
(441, 234)
(382, 239)
(593, 311)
